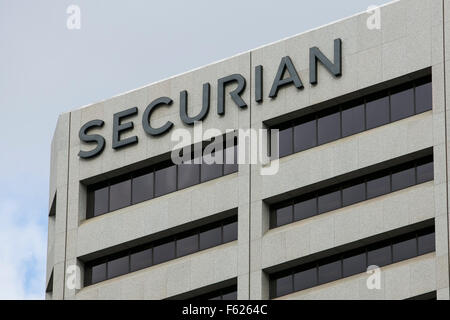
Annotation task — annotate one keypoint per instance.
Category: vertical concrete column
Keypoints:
(58, 187)
(441, 117)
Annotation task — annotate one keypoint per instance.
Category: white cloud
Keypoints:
(23, 244)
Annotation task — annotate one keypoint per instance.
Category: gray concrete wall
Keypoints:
(411, 38)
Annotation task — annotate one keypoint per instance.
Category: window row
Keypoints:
(354, 117)
(156, 181)
(351, 192)
(161, 251)
(353, 262)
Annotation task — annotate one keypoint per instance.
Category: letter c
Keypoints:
(147, 113)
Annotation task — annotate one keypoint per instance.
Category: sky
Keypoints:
(47, 69)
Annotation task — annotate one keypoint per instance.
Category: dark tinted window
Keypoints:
(142, 188)
(230, 296)
(210, 238)
(165, 181)
(187, 245)
(305, 279)
(98, 273)
(305, 136)
(378, 187)
(379, 256)
(283, 215)
(354, 194)
(141, 260)
(329, 128)
(285, 143)
(426, 243)
(403, 179)
(212, 170)
(354, 264)
(101, 201)
(284, 286)
(402, 104)
(404, 250)
(330, 272)
(231, 160)
(353, 120)
(164, 252)
(423, 98)
(305, 209)
(118, 267)
(188, 175)
(377, 112)
(329, 201)
(120, 195)
(230, 232)
(425, 172)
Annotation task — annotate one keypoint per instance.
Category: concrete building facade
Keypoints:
(270, 257)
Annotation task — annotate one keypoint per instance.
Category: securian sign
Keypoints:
(286, 75)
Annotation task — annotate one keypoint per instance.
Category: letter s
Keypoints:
(89, 138)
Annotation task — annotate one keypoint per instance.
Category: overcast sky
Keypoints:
(47, 69)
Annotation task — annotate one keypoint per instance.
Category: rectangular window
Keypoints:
(98, 273)
(330, 201)
(354, 264)
(141, 260)
(283, 216)
(305, 279)
(354, 194)
(118, 267)
(404, 250)
(187, 245)
(284, 286)
(379, 256)
(164, 252)
(305, 136)
(402, 104)
(330, 271)
(425, 172)
(188, 175)
(377, 112)
(230, 232)
(210, 238)
(426, 243)
(285, 142)
(378, 187)
(424, 98)
(403, 179)
(165, 180)
(329, 128)
(305, 209)
(353, 120)
(101, 201)
(230, 296)
(142, 188)
(231, 160)
(120, 195)
(212, 170)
